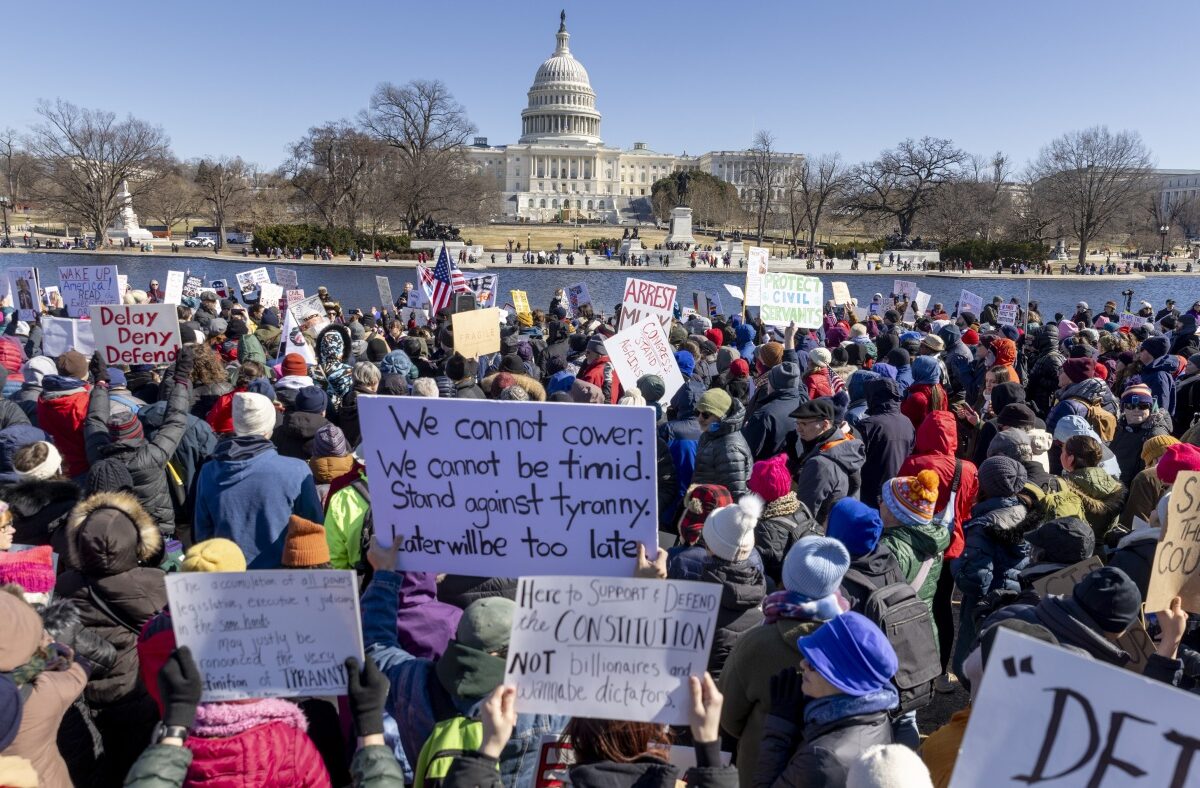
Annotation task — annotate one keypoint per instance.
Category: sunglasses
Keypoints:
(1136, 406)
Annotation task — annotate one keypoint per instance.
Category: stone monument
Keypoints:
(126, 226)
(681, 226)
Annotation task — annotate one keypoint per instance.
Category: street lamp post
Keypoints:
(4, 209)
(1163, 230)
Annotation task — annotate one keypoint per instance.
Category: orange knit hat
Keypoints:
(911, 498)
(305, 544)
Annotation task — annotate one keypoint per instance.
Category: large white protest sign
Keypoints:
(466, 486)
(610, 648)
(293, 339)
(268, 634)
(136, 333)
(788, 298)
(122, 286)
(1044, 715)
(294, 297)
(484, 287)
(23, 284)
(83, 286)
(757, 265)
(902, 287)
(173, 293)
(60, 334)
(643, 349)
(643, 299)
(249, 281)
(841, 293)
(418, 298)
(736, 292)
(385, 291)
(1176, 568)
(1129, 320)
(269, 294)
(1006, 314)
(286, 278)
(921, 302)
(577, 296)
(969, 302)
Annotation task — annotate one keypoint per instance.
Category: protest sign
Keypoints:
(23, 284)
(173, 293)
(757, 263)
(539, 488)
(969, 302)
(385, 291)
(51, 297)
(60, 334)
(788, 298)
(484, 287)
(407, 314)
(841, 293)
(269, 294)
(313, 305)
(1136, 642)
(83, 286)
(249, 281)
(136, 333)
(577, 296)
(193, 286)
(1062, 582)
(1131, 321)
(714, 304)
(294, 297)
(286, 278)
(476, 332)
(736, 292)
(521, 302)
(1045, 715)
(1006, 314)
(273, 633)
(901, 287)
(293, 338)
(610, 648)
(1177, 558)
(643, 299)
(418, 298)
(122, 286)
(643, 349)
(220, 287)
(922, 302)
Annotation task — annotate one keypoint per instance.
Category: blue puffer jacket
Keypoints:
(410, 706)
(995, 551)
(682, 435)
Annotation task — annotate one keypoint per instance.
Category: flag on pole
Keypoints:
(447, 280)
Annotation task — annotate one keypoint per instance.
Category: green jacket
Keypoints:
(164, 766)
(344, 519)
(912, 546)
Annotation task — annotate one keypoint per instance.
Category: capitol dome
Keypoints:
(562, 104)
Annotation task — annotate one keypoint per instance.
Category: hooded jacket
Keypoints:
(682, 435)
(722, 454)
(887, 436)
(1005, 351)
(742, 592)
(424, 625)
(61, 412)
(1048, 361)
(829, 471)
(40, 509)
(1102, 497)
(924, 397)
(1003, 395)
(294, 437)
(767, 429)
(1127, 443)
(600, 373)
(1159, 376)
(195, 447)
(996, 550)
(783, 522)
(1069, 623)
(933, 449)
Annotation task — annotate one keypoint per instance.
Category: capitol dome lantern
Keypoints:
(562, 104)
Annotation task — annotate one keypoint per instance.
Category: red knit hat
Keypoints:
(770, 479)
(1102, 372)
(970, 337)
(739, 369)
(294, 364)
(716, 336)
(1079, 369)
(32, 570)
(1180, 457)
(699, 501)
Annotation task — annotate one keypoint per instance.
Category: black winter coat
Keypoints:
(1127, 443)
(722, 456)
(26, 399)
(462, 590)
(742, 592)
(1187, 403)
(40, 509)
(825, 756)
(887, 437)
(294, 438)
(767, 430)
(473, 770)
(776, 532)
(1135, 556)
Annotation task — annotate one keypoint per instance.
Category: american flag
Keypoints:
(446, 281)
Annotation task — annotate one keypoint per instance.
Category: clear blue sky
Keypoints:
(247, 77)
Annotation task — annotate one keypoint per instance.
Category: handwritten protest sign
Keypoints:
(193, 286)
(122, 286)
(476, 332)
(484, 287)
(60, 334)
(249, 281)
(969, 302)
(790, 298)
(610, 648)
(136, 333)
(643, 349)
(286, 278)
(1129, 320)
(1176, 568)
(757, 265)
(1062, 582)
(466, 486)
(268, 634)
(521, 302)
(841, 293)
(294, 297)
(1136, 642)
(173, 293)
(1045, 715)
(902, 287)
(1006, 314)
(83, 286)
(384, 286)
(269, 294)
(643, 299)
(23, 284)
(577, 296)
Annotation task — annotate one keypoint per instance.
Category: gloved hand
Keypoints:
(179, 685)
(368, 689)
(786, 694)
(185, 362)
(97, 369)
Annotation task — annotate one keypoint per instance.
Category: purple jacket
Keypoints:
(424, 624)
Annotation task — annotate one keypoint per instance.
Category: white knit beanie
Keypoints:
(729, 531)
(820, 356)
(253, 414)
(888, 766)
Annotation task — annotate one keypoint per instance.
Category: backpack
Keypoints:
(449, 739)
(1103, 422)
(906, 622)
(367, 535)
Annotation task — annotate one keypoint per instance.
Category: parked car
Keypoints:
(201, 242)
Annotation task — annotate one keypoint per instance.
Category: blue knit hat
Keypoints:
(311, 399)
(814, 567)
(685, 361)
(925, 369)
(850, 653)
(855, 525)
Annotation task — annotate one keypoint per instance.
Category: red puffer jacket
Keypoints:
(260, 744)
(12, 354)
(61, 413)
(933, 449)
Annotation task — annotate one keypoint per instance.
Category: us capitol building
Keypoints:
(561, 168)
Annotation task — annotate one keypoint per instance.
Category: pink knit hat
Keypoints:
(770, 479)
(32, 570)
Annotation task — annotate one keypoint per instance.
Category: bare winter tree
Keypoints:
(16, 164)
(171, 200)
(1091, 177)
(328, 169)
(222, 183)
(901, 183)
(764, 172)
(84, 155)
(429, 130)
(813, 188)
(973, 205)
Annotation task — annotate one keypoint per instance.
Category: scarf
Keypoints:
(824, 711)
(794, 606)
(468, 674)
(781, 506)
(52, 658)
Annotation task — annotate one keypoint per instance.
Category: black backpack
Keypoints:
(905, 620)
(363, 567)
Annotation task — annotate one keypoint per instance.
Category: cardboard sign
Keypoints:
(610, 648)
(902, 287)
(268, 634)
(841, 293)
(60, 334)
(136, 333)
(1176, 568)
(1006, 314)
(83, 286)
(286, 278)
(1047, 716)
(385, 291)
(1137, 644)
(577, 296)
(969, 302)
(23, 284)
(469, 486)
(736, 292)
(643, 299)
(757, 267)
(788, 298)
(1062, 582)
(477, 332)
(1132, 321)
(173, 293)
(249, 281)
(643, 349)
(521, 302)
(484, 287)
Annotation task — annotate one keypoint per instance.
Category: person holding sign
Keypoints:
(598, 370)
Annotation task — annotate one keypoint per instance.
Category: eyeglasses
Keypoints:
(1136, 406)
